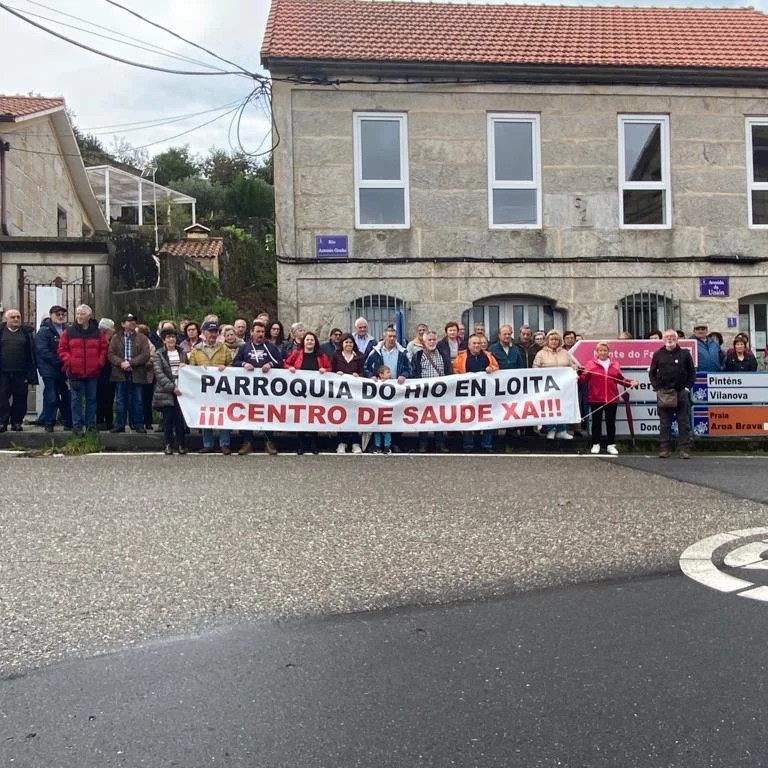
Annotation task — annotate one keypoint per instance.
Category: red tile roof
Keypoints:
(195, 249)
(387, 31)
(24, 106)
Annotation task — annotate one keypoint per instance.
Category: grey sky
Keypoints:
(103, 92)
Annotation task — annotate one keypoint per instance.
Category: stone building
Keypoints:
(52, 230)
(602, 169)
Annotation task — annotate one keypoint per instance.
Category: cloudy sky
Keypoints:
(106, 93)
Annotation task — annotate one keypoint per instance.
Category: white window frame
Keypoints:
(401, 183)
(665, 185)
(493, 184)
(752, 185)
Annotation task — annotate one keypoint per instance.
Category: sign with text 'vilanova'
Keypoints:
(730, 404)
(305, 401)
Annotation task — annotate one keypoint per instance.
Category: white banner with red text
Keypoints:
(306, 401)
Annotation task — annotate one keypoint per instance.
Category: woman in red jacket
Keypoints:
(603, 377)
(308, 358)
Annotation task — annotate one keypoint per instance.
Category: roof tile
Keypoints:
(195, 249)
(395, 31)
(24, 106)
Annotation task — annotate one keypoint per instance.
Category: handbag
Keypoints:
(666, 398)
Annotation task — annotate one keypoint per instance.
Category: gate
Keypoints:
(74, 293)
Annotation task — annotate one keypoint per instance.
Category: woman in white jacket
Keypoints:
(554, 355)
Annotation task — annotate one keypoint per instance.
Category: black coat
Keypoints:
(672, 369)
(31, 362)
(46, 347)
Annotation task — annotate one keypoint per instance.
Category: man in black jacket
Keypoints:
(55, 389)
(672, 369)
(18, 369)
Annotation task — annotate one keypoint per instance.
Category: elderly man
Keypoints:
(129, 354)
(55, 390)
(672, 374)
(83, 352)
(241, 328)
(18, 369)
(505, 351)
(474, 359)
(295, 340)
(428, 362)
(363, 340)
(711, 358)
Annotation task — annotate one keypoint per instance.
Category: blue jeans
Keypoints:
(79, 389)
(129, 395)
(486, 439)
(55, 398)
(208, 440)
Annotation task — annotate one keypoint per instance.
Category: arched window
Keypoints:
(379, 310)
(646, 311)
(494, 312)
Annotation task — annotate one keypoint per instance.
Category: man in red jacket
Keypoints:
(83, 352)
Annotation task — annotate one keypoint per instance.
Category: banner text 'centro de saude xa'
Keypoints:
(328, 402)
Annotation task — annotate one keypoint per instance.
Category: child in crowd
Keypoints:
(382, 440)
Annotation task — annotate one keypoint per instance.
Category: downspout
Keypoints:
(4, 147)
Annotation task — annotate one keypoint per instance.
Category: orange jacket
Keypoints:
(460, 363)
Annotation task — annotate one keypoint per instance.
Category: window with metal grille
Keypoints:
(379, 310)
(646, 311)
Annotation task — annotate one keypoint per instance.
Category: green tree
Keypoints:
(175, 163)
(250, 197)
(211, 198)
(221, 167)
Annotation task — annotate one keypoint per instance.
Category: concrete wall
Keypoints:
(38, 183)
(447, 128)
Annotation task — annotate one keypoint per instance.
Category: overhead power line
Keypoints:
(118, 58)
(142, 44)
(178, 36)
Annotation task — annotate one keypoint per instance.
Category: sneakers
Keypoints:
(341, 448)
(357, 448)
(245, 448)
(387, 451)
(613, 450)
(562, 434)
(595, 448)
(663, 453)
(685, 455)
(550, 434)
(269, 447)
(169, 449)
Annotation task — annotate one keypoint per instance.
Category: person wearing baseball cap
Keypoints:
(129, 354)
(710, 355)
(51, 369)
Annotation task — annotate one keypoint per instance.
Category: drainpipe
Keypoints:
(4, 147)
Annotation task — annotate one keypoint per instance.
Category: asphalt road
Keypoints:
(653, 672)
(101, 552)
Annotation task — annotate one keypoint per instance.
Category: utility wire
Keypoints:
(141, 43)
(183, 39)
(184, 133)
(116, 58)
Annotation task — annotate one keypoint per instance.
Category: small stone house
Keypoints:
(597, 168)
(52, 230)
(198, 247)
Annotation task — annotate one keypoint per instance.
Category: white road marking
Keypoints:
(697, 563)
(748, 556)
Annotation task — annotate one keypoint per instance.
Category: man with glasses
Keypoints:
(333, 344)
(51, 368)
(18, 369)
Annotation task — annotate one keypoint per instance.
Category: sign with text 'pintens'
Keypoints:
(628, 353)
(332, 247)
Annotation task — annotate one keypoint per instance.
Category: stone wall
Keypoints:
(447, 135)
(38, 181)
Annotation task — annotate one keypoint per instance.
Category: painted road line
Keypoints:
(697, 563)
(758, 593)
(748, 556)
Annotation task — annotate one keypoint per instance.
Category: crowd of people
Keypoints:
(98, 376)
